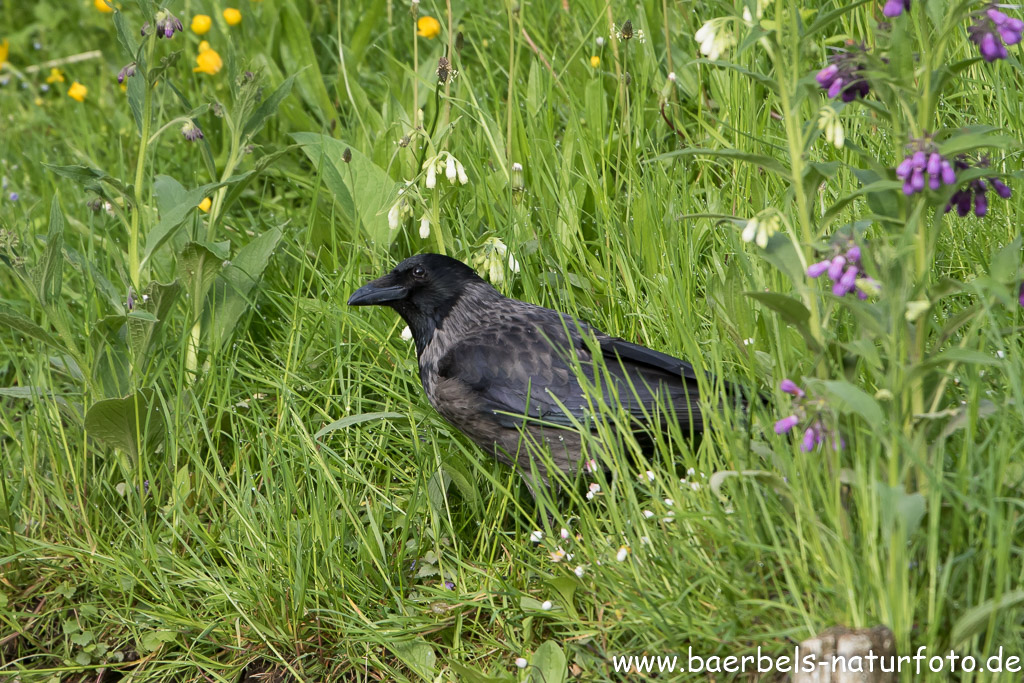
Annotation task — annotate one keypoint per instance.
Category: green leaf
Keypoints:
(47, 276)
(153, 640)
(198, 266)
(144, 324)
(19, 323)
(976, 137)
(299, 57)
(767, 163)
(548, 664)
(900, 510)
(848, 398)
(790, 310)
(356, 419)
(361, 188)
(175, 204)
(473, 676)
(267, 108)
(418, 655)
(125, 36)
(236, 284)
(974, 621)
(781, 253)
(128, 423)
(1005, 263)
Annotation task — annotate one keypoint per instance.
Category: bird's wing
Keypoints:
(529, 367)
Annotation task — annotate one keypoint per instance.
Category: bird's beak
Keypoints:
(377, 293)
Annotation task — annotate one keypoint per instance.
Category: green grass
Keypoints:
(236, 539)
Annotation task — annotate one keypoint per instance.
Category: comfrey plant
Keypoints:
(176, 243)
(868, 296)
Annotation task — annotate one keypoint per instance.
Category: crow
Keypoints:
(511, 375)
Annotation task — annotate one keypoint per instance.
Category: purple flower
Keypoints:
(974, 192)
(991, 29)
(894, 8)
(1020, 297)
(846, 273)
(844, 74)
(126, 72)
(166, 25)
(13, 196)
(790, 387)
(786, 424)
(924, 160)
(191, 131)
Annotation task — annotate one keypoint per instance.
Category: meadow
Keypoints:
(213, 469)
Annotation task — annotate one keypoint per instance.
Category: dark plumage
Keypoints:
(504, 372)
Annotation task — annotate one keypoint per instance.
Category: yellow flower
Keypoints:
(208, 61)
(56, 76)
(5, 49)
(204, 205)
(201, 24)
(232, 16)
(428, 27)
(595, 61)
(77, 92)
(102, 6)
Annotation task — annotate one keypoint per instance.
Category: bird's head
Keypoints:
(423, 289)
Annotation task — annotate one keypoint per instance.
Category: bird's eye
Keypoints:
(419, 272)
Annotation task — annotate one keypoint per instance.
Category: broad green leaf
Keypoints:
(418, 655)
(125, 36)
(848, 398)
(467, 675)
(781, 253)
(900, 510)
(154, 640)
(976, 137)
(47, 276)
(175, 204)
(1006, 262)
(299, 57)
(19, 323)
(128, 423)
(267, 108)
(198, 267)
(360, 187)
(236, 284)
(151, 311)
(974, 621)
(548, 664)
(790, 310)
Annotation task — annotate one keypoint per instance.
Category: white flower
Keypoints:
(648, 514)
(546, 605)
(558, 555)
(461, 171)
(449, 170)
(669, 502)
(645, 540)
(832, 125)
(393, 217)
(431, 175)
(521, 662)
(672, 76)
(650, 475)
(759, 230)
(406, 334)
(690, 472)
(579, 571)
(424, 227)
(516, 166)
(600, 41)
(537, 536)
(622, 554)
(590, 466)
(695, 486)
(713, 39)
(564, 533)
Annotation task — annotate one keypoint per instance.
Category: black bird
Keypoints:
(507, 373)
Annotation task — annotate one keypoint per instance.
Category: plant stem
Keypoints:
(140, 168)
